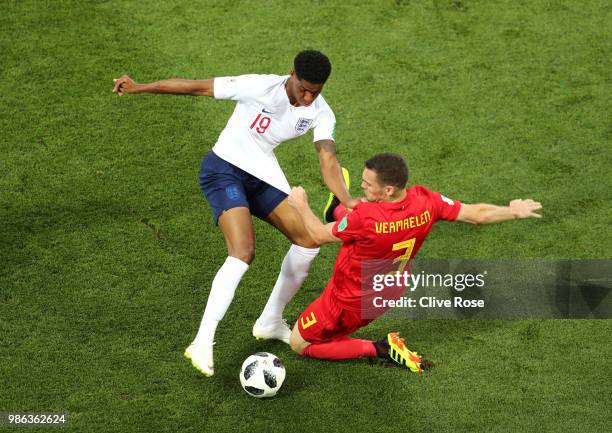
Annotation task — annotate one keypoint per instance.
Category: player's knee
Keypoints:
(297, 343)
(245, 253)
(305, 242)
(296, 346)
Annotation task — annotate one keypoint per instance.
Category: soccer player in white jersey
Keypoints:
(241, 177)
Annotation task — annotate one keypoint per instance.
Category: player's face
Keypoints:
(301, 92)
(375, 191)
(372, 190)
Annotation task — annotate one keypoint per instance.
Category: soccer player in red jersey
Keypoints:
(391, 226)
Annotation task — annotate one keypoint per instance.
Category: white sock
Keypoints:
(294, 271)
(220, 297)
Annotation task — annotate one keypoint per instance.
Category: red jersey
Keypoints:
(391, 232)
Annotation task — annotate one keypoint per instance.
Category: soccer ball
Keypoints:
(262, 375)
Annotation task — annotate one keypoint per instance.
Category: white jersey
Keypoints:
(263, 119)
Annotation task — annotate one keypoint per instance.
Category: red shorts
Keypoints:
(325, 320)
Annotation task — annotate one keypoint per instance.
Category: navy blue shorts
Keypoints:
(226, 186)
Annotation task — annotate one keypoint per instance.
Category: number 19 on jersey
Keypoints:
(260, 123)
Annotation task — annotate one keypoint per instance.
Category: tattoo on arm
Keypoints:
(326, 145)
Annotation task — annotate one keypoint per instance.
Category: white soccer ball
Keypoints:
(262, 375)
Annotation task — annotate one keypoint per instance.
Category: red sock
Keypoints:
(348, 348)
(339, 212)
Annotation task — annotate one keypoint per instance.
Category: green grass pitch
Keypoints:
(107, 248)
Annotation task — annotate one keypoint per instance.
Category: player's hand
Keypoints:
(298, 198)
(123, 85)
(525, 208)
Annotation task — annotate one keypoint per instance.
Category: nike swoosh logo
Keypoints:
(263, 110)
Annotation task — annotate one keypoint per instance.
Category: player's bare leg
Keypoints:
(288, 222)
(294, 271)
(297, 342)
(237, 228)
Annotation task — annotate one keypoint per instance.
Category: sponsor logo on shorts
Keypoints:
(232, 192)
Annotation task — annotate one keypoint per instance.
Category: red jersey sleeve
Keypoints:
(349, 228)
(446, 209)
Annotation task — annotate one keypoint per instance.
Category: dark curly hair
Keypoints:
(390, 168)
(312, 66)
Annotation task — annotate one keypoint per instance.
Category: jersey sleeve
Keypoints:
(446, 209)
(443, 207)
(325, 124)
(237, 88)
(349, 228)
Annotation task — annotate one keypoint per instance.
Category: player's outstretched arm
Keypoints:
(332, 173)
(488, 213)
(175, 86)
(321, 233)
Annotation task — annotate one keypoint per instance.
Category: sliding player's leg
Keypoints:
(322, 332)
(293, 272)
